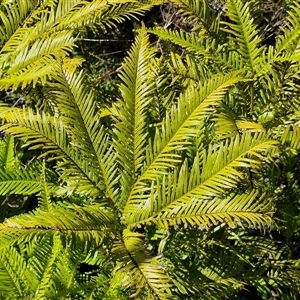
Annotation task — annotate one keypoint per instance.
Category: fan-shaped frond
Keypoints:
(140, 268)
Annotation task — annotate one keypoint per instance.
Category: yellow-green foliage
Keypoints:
(171, 206)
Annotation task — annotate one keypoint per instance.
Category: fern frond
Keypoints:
(220, 173)
(20, 181)
(199, 11)
(7, 154)
(131, 132)
(70, 222)
(235, 210)
(105, 14)
(48, 31)
(12, 14)
(45, 268)
(52, 266)
(245, 37)
(228, 125)
(288, 43)
(189, 70)
(37, 130)
(16, 278)
(77, 109)
(218, 273)
(34, 62)
(190, 41)
(67, 279)
(41, 131)
(15, 178)
(289, 134)
(177, 129)
(46, 190)
(140, 268)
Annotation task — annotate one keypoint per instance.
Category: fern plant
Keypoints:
(156, 197)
